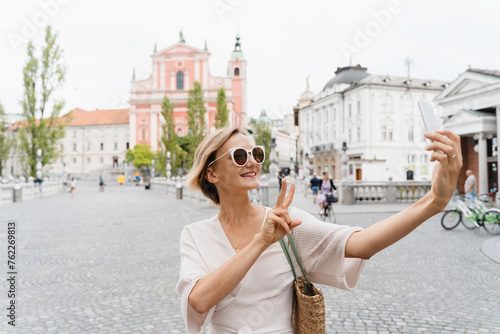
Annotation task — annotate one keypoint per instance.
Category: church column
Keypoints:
(162, 75)
(154, 75)
(132, 130)
(154, 131)
(172, 80)
(483, 165)
(186, 80)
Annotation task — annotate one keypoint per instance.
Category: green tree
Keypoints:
(222, 117)
(5, 141)
(196, 121)
(169, 142)
(196, 111)
(42, 128)
(140, 156)
(262, 137)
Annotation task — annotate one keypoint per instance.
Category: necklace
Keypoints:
(236, 249)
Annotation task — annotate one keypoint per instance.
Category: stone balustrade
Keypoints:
(357, 192)
(27, 189)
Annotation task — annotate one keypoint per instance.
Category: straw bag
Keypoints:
(308, 311)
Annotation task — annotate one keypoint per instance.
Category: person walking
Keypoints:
(73, 187)
(470, 186)
(314, 185)
(101, 184)
(234, 276)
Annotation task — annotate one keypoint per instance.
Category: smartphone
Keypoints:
(428, 115)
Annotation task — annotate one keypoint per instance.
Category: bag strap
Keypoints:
(307, 287)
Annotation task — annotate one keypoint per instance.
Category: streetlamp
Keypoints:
(152, 169)
(39, 170)
(39, 163)
(345, 160)
(169, 167)
(273, 168)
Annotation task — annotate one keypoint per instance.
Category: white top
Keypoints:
(73, 183)
(262, 301)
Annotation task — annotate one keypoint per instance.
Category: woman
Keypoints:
(327, 185)
(234, 276)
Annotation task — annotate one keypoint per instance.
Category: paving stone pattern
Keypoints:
(108, 262)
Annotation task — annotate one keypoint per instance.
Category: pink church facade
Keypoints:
(174, 71)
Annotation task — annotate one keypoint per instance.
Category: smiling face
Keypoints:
(227, 176)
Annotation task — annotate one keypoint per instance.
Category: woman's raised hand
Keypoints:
(448, 153)
(278, 222)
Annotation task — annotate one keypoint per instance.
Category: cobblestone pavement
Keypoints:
(108, 262)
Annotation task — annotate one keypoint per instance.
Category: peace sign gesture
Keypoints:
(278, 222)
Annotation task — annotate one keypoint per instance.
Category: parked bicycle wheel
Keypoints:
(469, 224)
(451, 219)
(491, 221)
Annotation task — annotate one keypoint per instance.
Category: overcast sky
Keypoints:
(283, 42)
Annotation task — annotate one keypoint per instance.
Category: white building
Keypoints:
(95, 142)
(470, 107)
(378, 118)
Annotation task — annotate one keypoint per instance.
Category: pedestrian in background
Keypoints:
(234, 276)
(470, 186)
(314, 185)
(73, 187)
(101, 183)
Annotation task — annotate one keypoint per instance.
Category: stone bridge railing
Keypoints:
(22, 190)
(350, 193)
(389, 192)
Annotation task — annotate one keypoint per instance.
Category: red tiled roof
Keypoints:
(80, 117)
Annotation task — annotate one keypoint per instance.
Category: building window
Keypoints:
(88, 133)
(101, 132)
(143, 134)
(180, 80)
(359, 107)
(350, 110)
(127, 132)
(115, 132)
(410, 134)
(236, 72)
(88, 160)
(359, 133)
(74, 147)
(74, 160)
(386, 133)
(116, 146)
(334, 113)
(74, 133)
(350, 136)
(102, 159)
(127, 146)
(424, 158)
(88, 146)
(411, 158)
(179, 132)
(102, 146)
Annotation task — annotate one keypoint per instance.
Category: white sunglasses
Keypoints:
(240, 155)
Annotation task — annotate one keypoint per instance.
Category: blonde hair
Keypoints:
(204, 154)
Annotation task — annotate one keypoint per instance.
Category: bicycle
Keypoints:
(328, 214)
(475, 216)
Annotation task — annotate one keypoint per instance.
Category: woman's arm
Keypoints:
(214, 287)
(448, 154)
